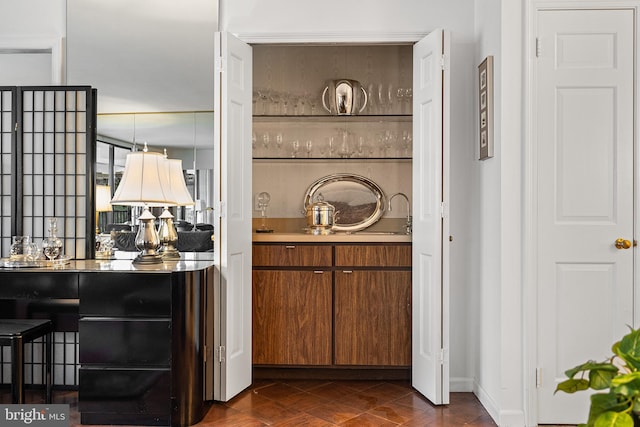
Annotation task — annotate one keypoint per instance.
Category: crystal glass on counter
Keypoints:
(23, 249)
(52, 245)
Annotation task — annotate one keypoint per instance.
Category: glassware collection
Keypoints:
(24, 251)
(383, 99)
(338, 143)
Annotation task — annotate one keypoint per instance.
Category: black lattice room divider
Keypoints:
(48, 157)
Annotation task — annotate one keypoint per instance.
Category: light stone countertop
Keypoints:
(294, 230)
(357, 237)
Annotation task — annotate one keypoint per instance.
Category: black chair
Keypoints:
(16, 333)
(182, 225)
(204, 227)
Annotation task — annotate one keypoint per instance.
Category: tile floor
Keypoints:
(317, 403)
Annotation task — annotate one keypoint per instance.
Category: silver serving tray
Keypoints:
(359, 201)
(39, 263)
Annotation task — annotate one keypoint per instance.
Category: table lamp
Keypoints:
(167, 230)
(103, 198)
(145, 183)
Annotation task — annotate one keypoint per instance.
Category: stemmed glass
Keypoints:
(279, 142)
(407, 139)
(312, 103)
(265, 143)
(295, 146)
(302, 101)
(275, 99)
(264, 97)
(361, 146)
(309, 145)
(400, 95)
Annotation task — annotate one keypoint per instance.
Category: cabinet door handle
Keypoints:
(347, 271)
(318, 272)
(290, 247)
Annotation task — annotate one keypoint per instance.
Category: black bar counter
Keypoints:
(141, 335)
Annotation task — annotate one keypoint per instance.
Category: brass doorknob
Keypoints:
(623, 244)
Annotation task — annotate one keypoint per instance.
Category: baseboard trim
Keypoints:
(351, 373)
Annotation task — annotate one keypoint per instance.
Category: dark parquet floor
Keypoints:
(316, 403)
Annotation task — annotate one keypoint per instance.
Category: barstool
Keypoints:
(16, 333)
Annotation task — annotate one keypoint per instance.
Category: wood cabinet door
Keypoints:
(373, 318)
(292, 317)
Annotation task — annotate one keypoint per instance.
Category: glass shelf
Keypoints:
(366, 137)
(333, 159)
(331, 118)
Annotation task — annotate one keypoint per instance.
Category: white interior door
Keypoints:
(430, 281)
(233, 92)
(585, 176)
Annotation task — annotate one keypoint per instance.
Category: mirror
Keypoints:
(152, 63)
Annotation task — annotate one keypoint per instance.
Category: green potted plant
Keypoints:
(620, 375)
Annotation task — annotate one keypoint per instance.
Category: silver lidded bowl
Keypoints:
(320, 216)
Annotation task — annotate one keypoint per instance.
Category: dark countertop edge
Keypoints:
(120, 266)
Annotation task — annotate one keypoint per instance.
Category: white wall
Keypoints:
(380, 20)
(20, 28)
(498, 322)
(33, 19)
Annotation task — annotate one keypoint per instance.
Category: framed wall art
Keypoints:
(485, 97)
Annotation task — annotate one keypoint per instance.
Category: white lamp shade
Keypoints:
(103, 197)
(144, 181)
(177, 184)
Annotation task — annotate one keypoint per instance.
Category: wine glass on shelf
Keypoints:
(286, 98)
(265, 143)
(401, 93)
(275, 100)
(264, 97)
(302, 102)
(295, 146)
(407, 140)
(295, 101)
(311, 100)
(279, 142)
(309, 146)
(360, 146)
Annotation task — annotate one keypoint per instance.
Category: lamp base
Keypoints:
(147, 258)
(168, 236)
(147, 240)
(169, 252)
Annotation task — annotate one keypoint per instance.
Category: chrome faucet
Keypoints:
(409, 224)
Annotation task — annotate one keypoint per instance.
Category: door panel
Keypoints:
(430, 257)
(232, 293)
(585, 195)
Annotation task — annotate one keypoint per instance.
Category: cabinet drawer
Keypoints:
(125, 342)
(292, 255)
(133, 391)
(28, 285)
(373, 255)
(125, 294)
